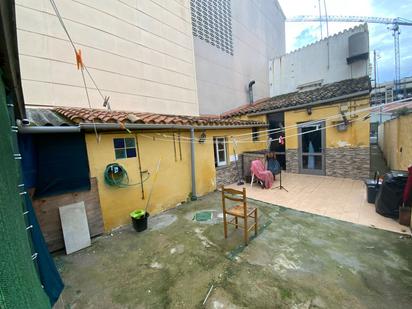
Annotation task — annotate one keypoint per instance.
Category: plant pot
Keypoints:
(140, 223)
(405, 216)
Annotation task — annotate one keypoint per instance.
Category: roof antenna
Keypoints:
(106, 103)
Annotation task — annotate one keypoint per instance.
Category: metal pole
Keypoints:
(327, 32)
(320, 20)
(140, 165)
(193, 163)
(374, 68)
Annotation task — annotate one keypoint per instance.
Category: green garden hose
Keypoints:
(116, 175)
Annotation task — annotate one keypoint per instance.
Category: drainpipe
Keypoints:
(251, 83)
(48, 129)
(192, 162)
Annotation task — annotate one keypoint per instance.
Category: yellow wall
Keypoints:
(357, 135)
(396, 136)
(173, 184)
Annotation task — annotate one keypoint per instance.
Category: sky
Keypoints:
(380, 38)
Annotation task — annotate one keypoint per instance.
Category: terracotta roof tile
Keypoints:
(295, 99)
(82, 115)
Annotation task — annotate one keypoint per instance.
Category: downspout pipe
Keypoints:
(116, 126)
(136, 126)
(193, 163)
(48, 129)
(250, 89)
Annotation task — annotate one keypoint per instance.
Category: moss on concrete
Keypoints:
(299, 260)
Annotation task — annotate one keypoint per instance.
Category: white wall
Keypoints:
(310, 64)
(139, 52)
(258, 29)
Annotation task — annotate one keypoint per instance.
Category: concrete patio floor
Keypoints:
(298, 260)
(338, 198)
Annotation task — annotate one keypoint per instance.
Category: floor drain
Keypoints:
(203, 216)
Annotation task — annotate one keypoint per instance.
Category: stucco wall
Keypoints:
(173, 184)
(357, 135)
(140, 53)
(258, 29)
(347, 153)
(397, 142)
(381, 136)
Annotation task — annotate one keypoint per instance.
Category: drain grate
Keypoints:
(203, 216)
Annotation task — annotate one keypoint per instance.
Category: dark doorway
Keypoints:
(277, 125)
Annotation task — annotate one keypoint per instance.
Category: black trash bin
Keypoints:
(390, 194)
(372, 188)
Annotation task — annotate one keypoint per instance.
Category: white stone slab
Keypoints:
(75, 227)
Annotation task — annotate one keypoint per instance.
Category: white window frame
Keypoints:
(217, 140)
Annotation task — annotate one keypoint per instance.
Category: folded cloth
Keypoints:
(258, 169)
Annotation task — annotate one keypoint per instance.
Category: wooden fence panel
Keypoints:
(47, 211)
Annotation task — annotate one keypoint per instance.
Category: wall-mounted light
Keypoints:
(342, 127)
(309, 110)
(202, 138)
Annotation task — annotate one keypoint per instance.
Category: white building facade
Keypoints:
(140, 53)
(146, 56)
(341, 56)
(233, 42)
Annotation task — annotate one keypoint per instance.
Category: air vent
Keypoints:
(212, 23)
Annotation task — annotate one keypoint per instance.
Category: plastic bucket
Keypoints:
(139, 220)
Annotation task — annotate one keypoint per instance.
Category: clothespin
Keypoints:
(281, 140)
(106, 103)
(79, 60)
(345, 119)
(121, 124)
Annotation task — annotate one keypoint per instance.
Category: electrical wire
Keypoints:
(262, 141)
(244, 140)
(295, 125)
(359, 111)
(58, 15)
(82, 66)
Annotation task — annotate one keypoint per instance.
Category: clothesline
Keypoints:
(155, 138)
(277, 130)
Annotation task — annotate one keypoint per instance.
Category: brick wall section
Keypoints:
(348, 162)
(292, 165)
(247, 159)
(226, 175)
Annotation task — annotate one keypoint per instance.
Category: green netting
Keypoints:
(19, 283)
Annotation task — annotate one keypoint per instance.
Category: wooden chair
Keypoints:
(241, 211)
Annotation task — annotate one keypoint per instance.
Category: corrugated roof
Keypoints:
(393, 106)
(86, 115)
(292, 100)
(46, 117)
